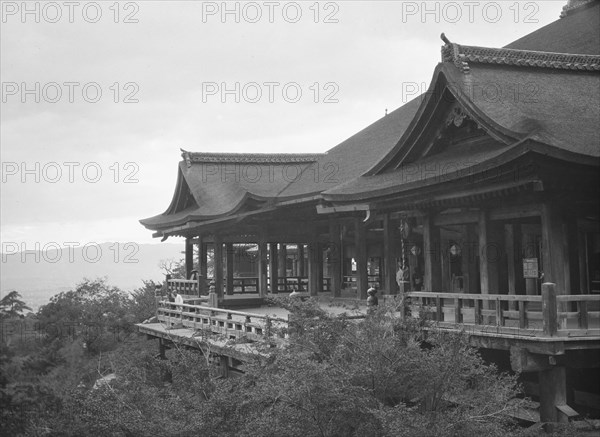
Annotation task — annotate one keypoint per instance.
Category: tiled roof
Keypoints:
(463, 56)
(549, 91)
(578, 32)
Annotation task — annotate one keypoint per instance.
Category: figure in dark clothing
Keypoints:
(372, 300)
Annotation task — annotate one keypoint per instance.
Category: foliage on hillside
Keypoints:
(380, 376)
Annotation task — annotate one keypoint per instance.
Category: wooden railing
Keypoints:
(284, 285)
(544, 315)
(194, 287)
(350, 281)
(231, 324)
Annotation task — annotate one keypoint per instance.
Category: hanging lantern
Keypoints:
(455, 250)
(415, 250)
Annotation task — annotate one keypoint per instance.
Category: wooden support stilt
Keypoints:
(224, 365)
(553, 394)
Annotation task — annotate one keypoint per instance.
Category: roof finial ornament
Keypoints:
(385, 111)
(186, 155)
(445, 39)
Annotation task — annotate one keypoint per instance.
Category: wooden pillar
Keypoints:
(189, 257)
(553, 393)
(203, 259)
(509, 243)
(432, 280)
(389, 255)
(360, 243)
(470, 251)
(313, 268)
(282, 261)
(218, 266)
(273, 273)
(529, 250)
(335, 258)
(484, 259)
(262, 267)
(582, 257)
(574, 277)
(554, 248)
(229, 257)
(202, 265)
(320, 275)
(301, 268)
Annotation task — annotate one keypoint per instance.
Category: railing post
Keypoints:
(523, 314)
(583, 314)
(499, 316)
(477, 311)
(549, 308)
(458, 318)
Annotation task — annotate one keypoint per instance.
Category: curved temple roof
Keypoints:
(540, 92)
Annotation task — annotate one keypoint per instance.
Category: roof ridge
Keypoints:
(246, 158)
(461, 55)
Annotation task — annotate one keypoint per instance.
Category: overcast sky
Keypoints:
(122, 98)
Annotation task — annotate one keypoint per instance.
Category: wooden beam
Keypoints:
(389, 255)
(432, 280)
(360, 242)
(229, 257)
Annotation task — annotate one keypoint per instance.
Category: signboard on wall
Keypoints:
(530, 268)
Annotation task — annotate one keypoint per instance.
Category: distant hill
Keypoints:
(37, 276)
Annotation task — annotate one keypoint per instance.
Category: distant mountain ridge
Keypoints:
(39, 275)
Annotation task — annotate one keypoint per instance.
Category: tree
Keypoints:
(96, 312)
(11, 305)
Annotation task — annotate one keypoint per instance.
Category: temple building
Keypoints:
(487, 184)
